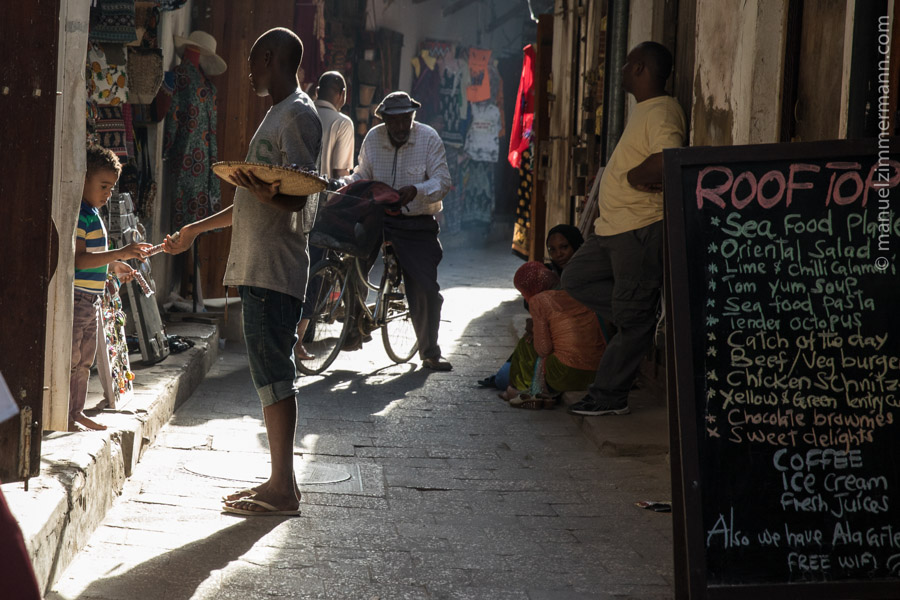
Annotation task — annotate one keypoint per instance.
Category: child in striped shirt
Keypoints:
(92, 257)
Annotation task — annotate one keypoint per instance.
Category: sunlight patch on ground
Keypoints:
(464, 304)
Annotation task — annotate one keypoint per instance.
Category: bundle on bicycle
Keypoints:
(349, 228)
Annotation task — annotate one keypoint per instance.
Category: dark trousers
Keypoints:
(415, 241)
(619, 277)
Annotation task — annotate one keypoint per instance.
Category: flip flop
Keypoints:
(270, 511)
(238, 495)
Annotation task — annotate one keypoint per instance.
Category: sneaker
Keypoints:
(589, 407)
(437, 364)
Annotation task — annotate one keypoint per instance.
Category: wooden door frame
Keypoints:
(30, 243)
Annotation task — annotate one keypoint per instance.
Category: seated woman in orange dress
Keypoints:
(565, 335)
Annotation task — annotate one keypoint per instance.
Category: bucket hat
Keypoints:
(211, 62)
(396, 103)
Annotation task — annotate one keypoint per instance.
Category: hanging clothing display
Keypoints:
(451, 215)
(480, 88)
(478, 194)
(426, 87)
(146, 23)
(112, 22)
(189, 146)
(110, 129)
(106, 83)
(482, 140)
(454, 125)
(520, 245)
(523, 118)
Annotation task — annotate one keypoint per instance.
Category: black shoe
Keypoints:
(488, 382)
(589, 407)
(437, 364)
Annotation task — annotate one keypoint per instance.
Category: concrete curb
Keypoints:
(82, 473)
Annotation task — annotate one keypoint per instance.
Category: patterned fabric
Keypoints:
(146, 21)
(478, 192)
(171, 4)
(110, 129)
(92, 231)
(190, 146)
(421, 162)
(520, 242)
(106, 83)
(534, 277)
(454, 126)
(480, 88)
(113, 22)
(451, 216)
(482, 140)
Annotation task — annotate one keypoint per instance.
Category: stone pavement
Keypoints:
(416, 484)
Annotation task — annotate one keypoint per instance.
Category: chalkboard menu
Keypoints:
(785, 330)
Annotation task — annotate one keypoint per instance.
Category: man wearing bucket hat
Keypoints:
(409, 156)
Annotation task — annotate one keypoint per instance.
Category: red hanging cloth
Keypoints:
(523, 119)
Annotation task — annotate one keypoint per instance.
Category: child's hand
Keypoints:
(123, 271)
(178, 242)
(136, 250)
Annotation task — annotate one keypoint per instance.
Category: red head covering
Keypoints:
(533, 278)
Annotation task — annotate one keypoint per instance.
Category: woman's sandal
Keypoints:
(529, 402)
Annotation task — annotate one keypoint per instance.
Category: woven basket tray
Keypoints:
(293, 181)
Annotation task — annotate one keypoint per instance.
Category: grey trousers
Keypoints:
(415, 240)
(619, 277)
(85, 320)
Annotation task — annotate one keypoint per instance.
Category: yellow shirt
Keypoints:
(654, 124)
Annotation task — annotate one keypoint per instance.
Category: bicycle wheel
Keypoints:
(328, 320)
(397, 333)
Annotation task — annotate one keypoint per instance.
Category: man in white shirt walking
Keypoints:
(409, 156)
(337, 128)
(336, 160)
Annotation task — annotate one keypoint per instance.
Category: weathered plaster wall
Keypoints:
(645, 23)
(68, 180)
(738, 75)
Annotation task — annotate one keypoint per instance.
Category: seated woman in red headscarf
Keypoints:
(565, 334)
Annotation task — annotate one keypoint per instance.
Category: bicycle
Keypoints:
(338, 291)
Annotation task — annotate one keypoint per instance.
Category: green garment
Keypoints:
(559, 377)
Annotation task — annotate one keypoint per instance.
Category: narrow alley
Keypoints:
(415, 484)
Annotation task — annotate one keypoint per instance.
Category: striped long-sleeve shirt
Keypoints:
(91, 230)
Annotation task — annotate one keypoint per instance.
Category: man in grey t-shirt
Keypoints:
(269, 261)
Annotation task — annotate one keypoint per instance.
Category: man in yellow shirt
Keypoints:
(618, 271)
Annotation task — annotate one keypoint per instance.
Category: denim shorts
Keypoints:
(270, 322)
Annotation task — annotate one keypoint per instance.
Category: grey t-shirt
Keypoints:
(268, 245)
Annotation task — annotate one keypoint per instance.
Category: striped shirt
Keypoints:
(421, 162)
(91, 230)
